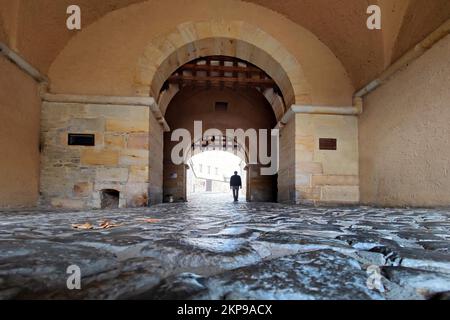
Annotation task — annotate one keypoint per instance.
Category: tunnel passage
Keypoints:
(223, 93)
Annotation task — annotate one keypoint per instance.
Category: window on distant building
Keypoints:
(217, 171)
(201, 168)
(209, 169)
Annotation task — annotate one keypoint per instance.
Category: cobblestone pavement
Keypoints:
(212, 248)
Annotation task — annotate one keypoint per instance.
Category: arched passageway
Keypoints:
(209, 174)
(223, 94)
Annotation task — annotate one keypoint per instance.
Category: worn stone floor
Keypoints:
(211, 248)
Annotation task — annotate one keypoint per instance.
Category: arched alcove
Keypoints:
(110, 199)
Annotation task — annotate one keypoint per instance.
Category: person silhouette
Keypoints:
(235, 185)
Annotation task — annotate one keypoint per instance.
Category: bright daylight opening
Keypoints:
(210, 174)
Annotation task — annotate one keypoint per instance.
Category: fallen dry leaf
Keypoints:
(85, 226)
(88, 226)
(108, 225)
(151, 220)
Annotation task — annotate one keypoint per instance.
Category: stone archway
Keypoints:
(192, 40)
(226, 71)
(238, 39)
(140, 68)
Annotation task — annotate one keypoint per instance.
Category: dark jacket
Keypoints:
(235, 181)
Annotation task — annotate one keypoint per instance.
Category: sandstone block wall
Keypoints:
(319, 176)
(327, 176)
(74, 176)
(286, 173)
(155, 162)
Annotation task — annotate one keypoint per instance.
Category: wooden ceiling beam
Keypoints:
(217, 80)
(221, 68)
(220, 72)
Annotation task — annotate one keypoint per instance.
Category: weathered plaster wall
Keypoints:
(3, 35)
(404, 135)
(99, 63)
(326, 176)
(9, 22)
(19, 137)
(73, 176)
(333, 22)
(421, 18)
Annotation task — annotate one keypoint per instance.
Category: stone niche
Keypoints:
(77, 176)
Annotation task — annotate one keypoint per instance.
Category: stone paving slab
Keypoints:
(212, 248)
(304, 276)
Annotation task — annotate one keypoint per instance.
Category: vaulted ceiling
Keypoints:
(36, 28)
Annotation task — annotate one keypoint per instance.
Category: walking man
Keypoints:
(235, 185)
